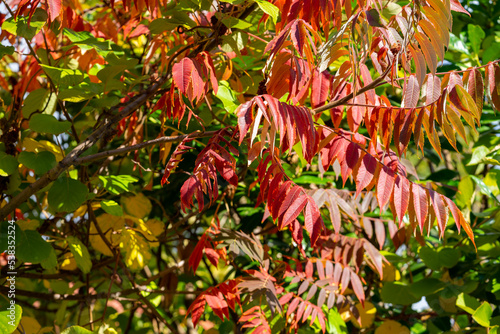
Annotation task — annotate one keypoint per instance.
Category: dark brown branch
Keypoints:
(123, 150)
(375, 83)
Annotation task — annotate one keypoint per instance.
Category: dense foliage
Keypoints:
(250, 166)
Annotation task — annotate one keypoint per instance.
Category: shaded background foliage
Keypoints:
(103, 246)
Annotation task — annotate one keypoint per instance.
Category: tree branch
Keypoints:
(123, 150)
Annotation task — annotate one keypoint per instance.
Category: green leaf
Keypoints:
(269, 9)
(86, 41)
(66, 195)
(160, 25)
(63, 76)
(51, 261)
(484, 188)
(467, 303)
(6, 50)
(436, 259)
(391, 9)
(478, 154)
(426, 286)
(43, 123)
(76, 330)
(465, 194)
(227, 96)
(40, 162)
(75, 94)
(10, 318)
(180, 18)
(39, 100)
(22, 28)
(476, 35)
(117, 66)
(398, 293)
(32, 248)
(309, 179)
(335, 323)
(117, 184)
(8, 164)
(81, 254)
(112, 208)
(483, 314)
(449, 256)
(491, 53)
(232, 22)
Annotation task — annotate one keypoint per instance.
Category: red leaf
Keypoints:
(366, 172)
(357, 286)
(294, 209)
(290, 198)
(420, 204)
(212, 256)
(411, 93)
(197, 308)
(475, 88)
(286, 298)
(313, 221)
(297, 234)
(459, 219)
(384, 186)
(346, 278)
(379, 232)
(297, 33)
(280, 197)
(139, 30)
(433, 91)
(55, 7)
(277, 42)
(440, 210)
(197, 254)
(457, 7)
(181, 73)
(320, 88)
(375, 257)
(293, 305)
(351, 159)
(207, 60)
(245, 118)
(493, 78)
(401, 197)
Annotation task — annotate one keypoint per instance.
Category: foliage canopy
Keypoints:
(250, 166)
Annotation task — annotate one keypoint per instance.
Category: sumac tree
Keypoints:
(167, 165)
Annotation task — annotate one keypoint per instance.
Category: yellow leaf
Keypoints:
(390, 273)
(136, 248)
(28, 224)
(448, 304)
(166, 148)
(69, 262)
(144, 229)
(83, 209)
(108, 224)
(366, 314)
(156, 226)
(138, 206)
(393, 327)
(345, 313)
(31, 145)
(30, 325)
